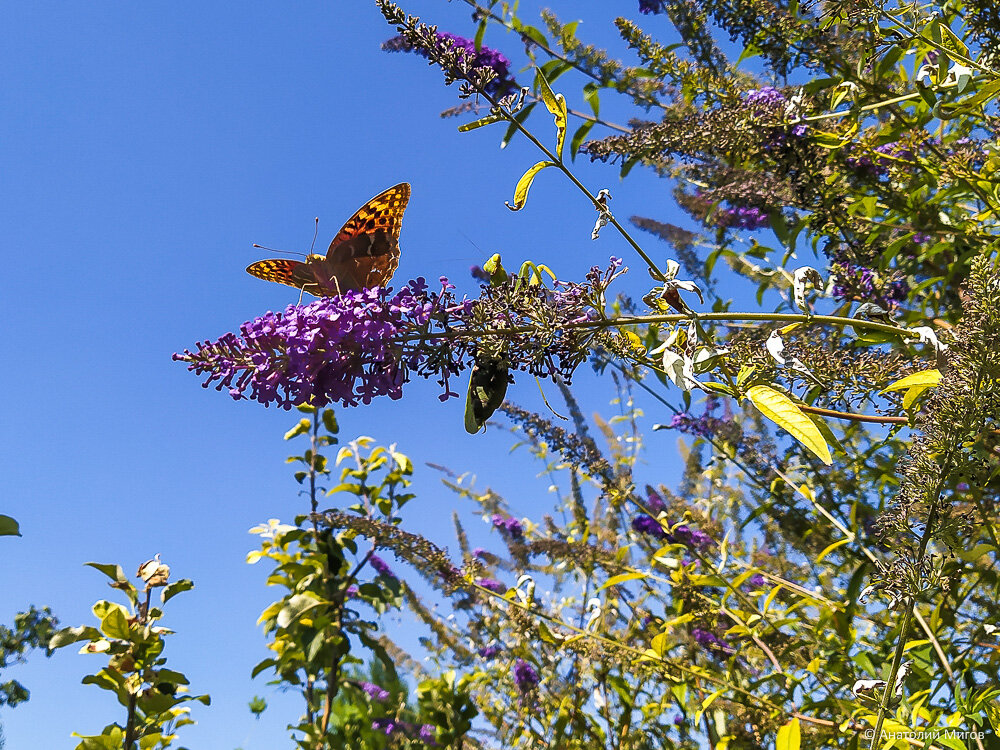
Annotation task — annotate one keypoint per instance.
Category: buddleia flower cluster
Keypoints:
(346, 349)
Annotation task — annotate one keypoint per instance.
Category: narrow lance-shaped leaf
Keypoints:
(781, 410)
(521, 191)
(556, 104)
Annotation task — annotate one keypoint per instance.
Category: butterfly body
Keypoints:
(363, 254)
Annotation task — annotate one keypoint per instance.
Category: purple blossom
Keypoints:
(375, 692)
(920, 238)
(428, 733)
(381, 567)
(691, 537)
(490, 652)
(484, 57)
(743, 217)
(648, 525)
(652, 6)
(509, 525)
(388, 726)
(352, 591)
(480, 553)
(756, 580)
(491, 584)
(678, 720)
(768, 96)
(343, 349)
(709, 640)
(653, 501)
(525, 676)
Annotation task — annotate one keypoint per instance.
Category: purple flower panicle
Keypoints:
(525, 676)
(490, 652)
(375, 692)
(648, 525)
(344, 349)
(509, 525)
(491, 584)
(484, 57)
(381, 567)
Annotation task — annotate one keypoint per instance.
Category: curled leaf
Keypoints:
(524, 184)
(556, 104)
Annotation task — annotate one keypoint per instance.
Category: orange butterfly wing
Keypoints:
(363, 254)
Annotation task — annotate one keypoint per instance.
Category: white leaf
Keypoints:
(673, 267)
(927, 335)
(804, 275)
(775, 346)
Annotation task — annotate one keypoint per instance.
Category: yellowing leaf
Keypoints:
(615, 580)
(781, 410)
(789, 736)
(488, 120)
(912, 394)
(556, 104)
(521, 191)
(925, 378)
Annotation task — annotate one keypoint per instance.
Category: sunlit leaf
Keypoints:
(781, 410)
(523, 185)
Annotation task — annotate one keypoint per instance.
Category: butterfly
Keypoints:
(363, 254)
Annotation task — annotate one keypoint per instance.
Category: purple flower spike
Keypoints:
(490, 652)
(381, 567)
(375, 692)
(525, 676)
(491, 584)
(344, 349)
(648, 525)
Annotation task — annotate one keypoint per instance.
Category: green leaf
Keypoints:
(66, 636)
(924, 378)
(300, 429)
(621, 578)
(115, 624)
(487, 389)
(971, 555)
(294, 608)
(781, 410)
(578, 136)
(521, 191)
(175, 588)
(114, 572)
(556, 104)
(789, 736)
(9, 527)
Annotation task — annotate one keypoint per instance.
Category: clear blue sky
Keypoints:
(143, 148)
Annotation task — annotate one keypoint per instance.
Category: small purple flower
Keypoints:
(756, 580)
(491, 584)
(490, 652)
(388, 726)
(920, 238)
(962, 487)
(375, 692)
(648, 525)
(525, 676)
(480, 553)
(509, 525)
(381, 567)
(352, 591)
(768, 96)
(652, 6)
(428, 733)
(678, 720)
(709, 640)
(653, 500)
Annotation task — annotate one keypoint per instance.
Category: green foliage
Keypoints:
(153, 696)
(8, 526)
(32, 629)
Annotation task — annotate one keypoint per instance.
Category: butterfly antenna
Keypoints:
(315, 235)
(282, 252)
